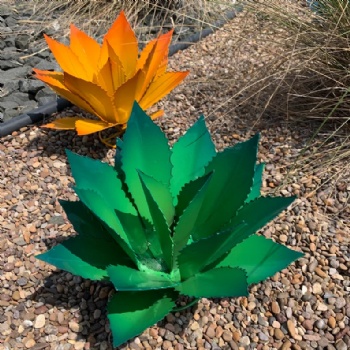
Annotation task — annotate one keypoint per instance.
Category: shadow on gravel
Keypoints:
(52, 142)
(85, 300)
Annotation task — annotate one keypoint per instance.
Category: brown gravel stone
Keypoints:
(15, 295)
(210, 331)
(292, 330)
(331, 322)
(74, 326)
(166, 345)
(320, 272)
(236, 336)
(194, 326)
(308, 324)
(278, 334)
(286, 345)
(275, 308)
(39, 321)
(227, 336)
(29, 343)
(283, 238)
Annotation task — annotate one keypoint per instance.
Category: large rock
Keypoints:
(46, 65)
(45, 96)
(8, 64)
(19, 97)
(5, 11)
(31, 86)
(8, 86)
(22, 41)
(9, 53)
(11, 21)
(8, 105)
(15, 73)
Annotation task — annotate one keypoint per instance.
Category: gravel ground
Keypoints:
(306, 306)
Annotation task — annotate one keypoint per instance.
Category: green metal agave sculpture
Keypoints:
(168, 222)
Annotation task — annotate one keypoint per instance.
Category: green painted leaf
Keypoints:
(260, 257)
(84, 221)
(229, 187)
(130, 313)
(197, 255)
(190, 155)
(161, 195)
(81, 256)
(118, 156)
(253, 216)
(89, 253)
(188, 192)
(125, 278)
(256, 214)
(94, 175)
(257, 182)
(107, 214)
(136, 232)
(187, 220)
(161, 228)
(216, 283)
(145, 148)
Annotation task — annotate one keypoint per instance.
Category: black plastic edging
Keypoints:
(38, 114)
(33, 116)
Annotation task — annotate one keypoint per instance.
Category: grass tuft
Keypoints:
(147, 17)
(308, 82)
(311, 78)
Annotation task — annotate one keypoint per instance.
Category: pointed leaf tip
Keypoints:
(230, 186)
(190, 155)
(145, 149)
(130, 313)
(260, 257)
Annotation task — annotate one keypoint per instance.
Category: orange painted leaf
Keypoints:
(47, 74)
(123, 41)
(157, 114)
(164, 63)
(67, 123)
(66, 58)
(111, 73)
(86, 48)
(102, 60)
(162, 67)
(118, 73)
(124, 98)
(87, 126)
(145, 54)
(161, 87)
(55, 81)
(94, 95)
(155, 58)
(104, 78)
(144, 72)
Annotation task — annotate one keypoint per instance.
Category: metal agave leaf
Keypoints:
(168, 222)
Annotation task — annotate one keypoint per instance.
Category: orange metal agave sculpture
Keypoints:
(106, 79)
